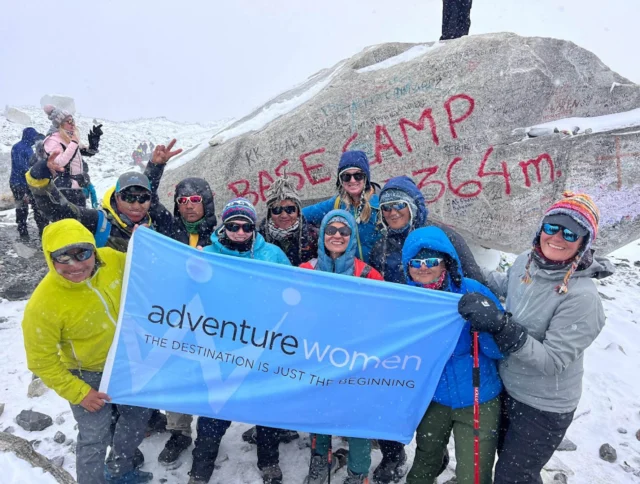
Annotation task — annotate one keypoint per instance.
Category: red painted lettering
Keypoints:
(380, 146)
(351, 139)
(458, 190)
(263, 187)
(432, 170)
(246, 192)
(453, 121)
(536, 163)
(419, 126)
(308, 169)
(280, 173)
(504, 173)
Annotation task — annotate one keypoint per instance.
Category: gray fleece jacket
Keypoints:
(546, 373)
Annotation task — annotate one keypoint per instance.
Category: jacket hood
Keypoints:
(197, 186)
(345, 263)
(407, 185)
(258, 245)
(30, 135)
(61, 234)
(435, 239)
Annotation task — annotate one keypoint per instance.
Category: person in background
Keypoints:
(430, 261)
(285, 225)
(68, 326)
(356, 195)
(21, 153)
(553, 315)
(238, 237)
(337, 249)
(456, 18)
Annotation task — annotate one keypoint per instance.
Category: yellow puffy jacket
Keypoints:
(70, 325)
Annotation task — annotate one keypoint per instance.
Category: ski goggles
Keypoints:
(246, 228)
(552, 229)
(332, 230)
(129, 197)
(192, 199)
(429, 263)
(397, 206)
(74, 254)
(291, 209)
(346, 177)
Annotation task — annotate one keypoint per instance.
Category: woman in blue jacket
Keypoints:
(430, 261)
(356, 195)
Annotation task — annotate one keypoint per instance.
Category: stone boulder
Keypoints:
(16, 116)
(33, 421)
(454, 116)
(63, 102)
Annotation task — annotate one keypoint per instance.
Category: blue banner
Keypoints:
(273, 345)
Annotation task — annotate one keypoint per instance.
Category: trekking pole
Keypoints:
(476, 410)
(329, 458)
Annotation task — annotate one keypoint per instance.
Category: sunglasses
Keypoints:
(346, 177)
(332, 230)
(552, 229)
(246, 228)
(135, 197)
(397, 206)
(278, 210)
(192, 199)
(429, 263)
(69, 121)
(67, 257)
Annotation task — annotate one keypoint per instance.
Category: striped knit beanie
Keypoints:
(582, 210)
(239, 208)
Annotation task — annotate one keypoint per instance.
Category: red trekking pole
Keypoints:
(476, 410)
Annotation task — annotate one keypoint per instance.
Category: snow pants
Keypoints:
(456, 18)
(179, 422)
(528, 439)
(95, 435)
(433, 434)
(359, 457)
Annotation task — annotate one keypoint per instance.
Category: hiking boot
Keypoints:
(284, 436)
(390, 470)
(176, 444)
(201, 469)
(138, 459)
(319, 470)
(272, 474)
(157, 423)
(135, 476)
(355, 478)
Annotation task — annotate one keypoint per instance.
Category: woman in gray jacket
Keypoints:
(553, 315)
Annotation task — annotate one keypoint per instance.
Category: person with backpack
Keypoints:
(67, 166)
(356, 195)
(554, 313)
(132, 201)
(21, 153)
(69, 324)
(430, 261)
(337, 253)
(238, 237)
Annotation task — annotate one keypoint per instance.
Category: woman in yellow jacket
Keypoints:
(69, 324)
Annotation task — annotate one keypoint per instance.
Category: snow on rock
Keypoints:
(597, 124)
(409, 55)
(16, 116)
(62, 102)
(18, 471)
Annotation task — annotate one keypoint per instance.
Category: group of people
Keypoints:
(530, 348)
(140, 155)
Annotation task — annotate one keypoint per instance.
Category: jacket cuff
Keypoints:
(83, 391)
(39, 171)
(511, 338)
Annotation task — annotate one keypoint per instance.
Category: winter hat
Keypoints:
(354, 159)
(397, 195)
(338, 218)
(239, 208)
(578, 213)
(56, 115)
(283, 189)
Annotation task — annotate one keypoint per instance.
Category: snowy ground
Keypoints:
(608, 413)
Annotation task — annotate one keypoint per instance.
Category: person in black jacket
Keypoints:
(285, 226)
(132, 201)
(403, 209)
(456, 18)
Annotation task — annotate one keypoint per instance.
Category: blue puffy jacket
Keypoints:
(21, 152)
(455, 388)
(262, 250)
(367, 233)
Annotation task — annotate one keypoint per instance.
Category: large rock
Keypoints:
(16, 116)
(445, 115)
(33, 421)
(63, 102)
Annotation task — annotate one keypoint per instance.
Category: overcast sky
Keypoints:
(206, 60)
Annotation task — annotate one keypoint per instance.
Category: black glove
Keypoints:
(94, 138)
(40, 171)
(484, 316)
